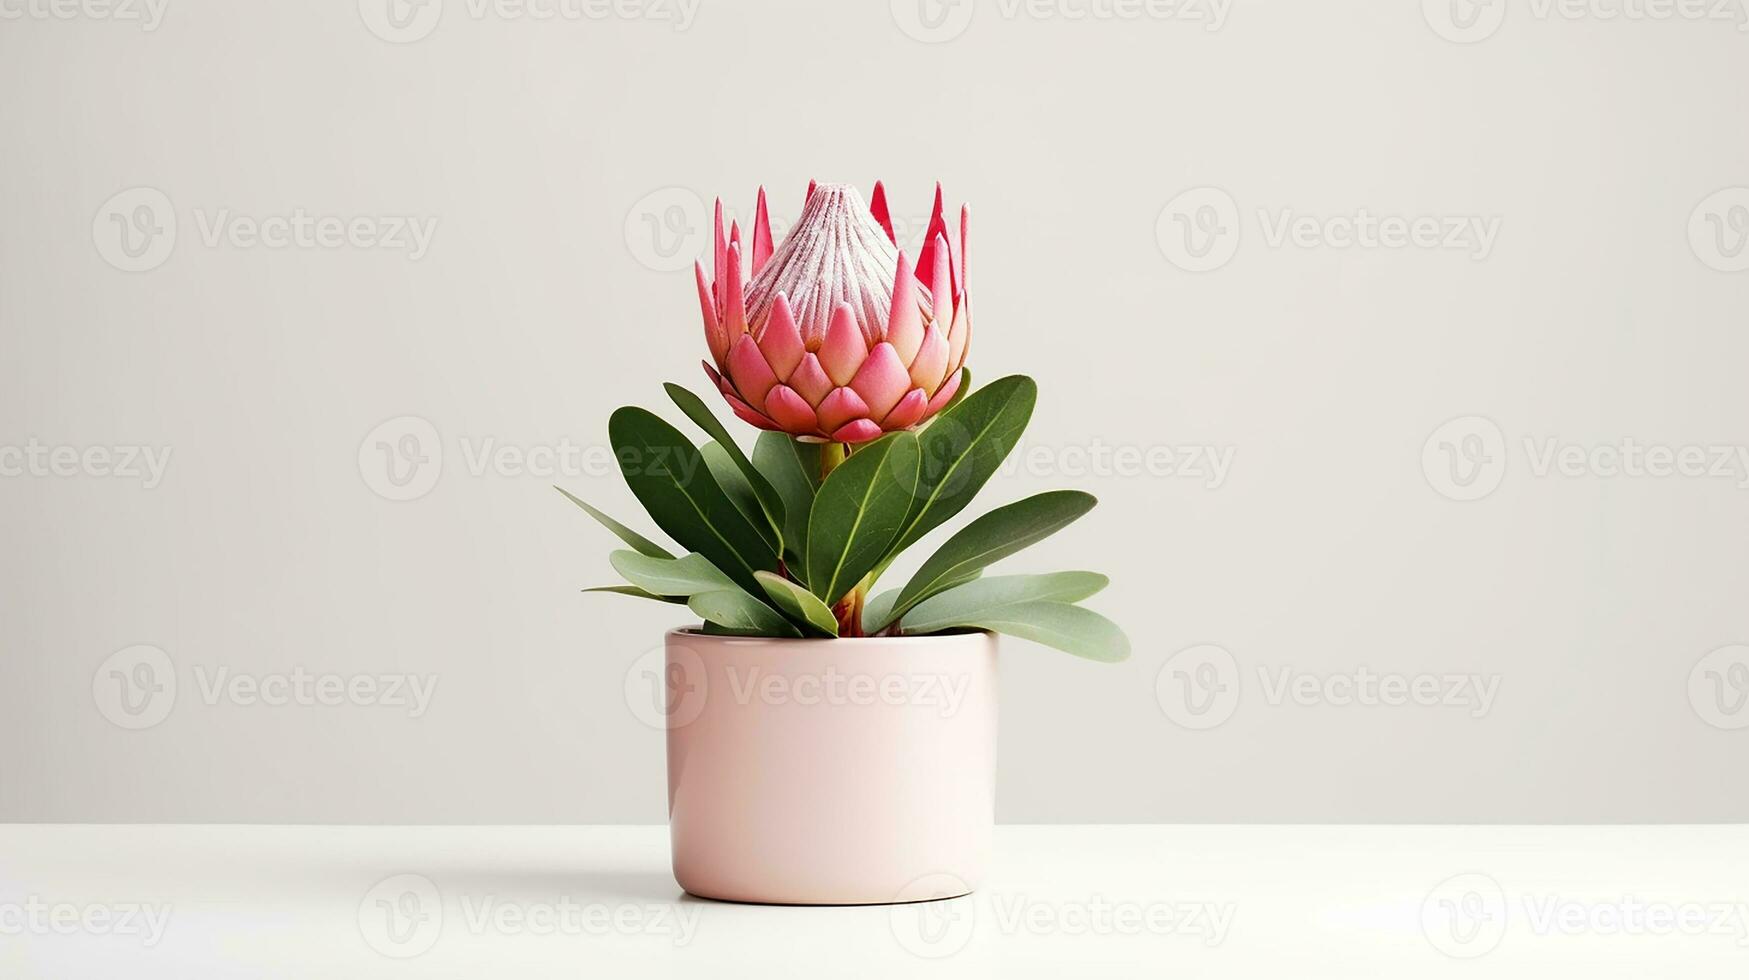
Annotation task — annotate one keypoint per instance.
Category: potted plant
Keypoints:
(826, 747)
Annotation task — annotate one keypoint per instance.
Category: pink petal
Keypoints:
(965, 236)
(780, 340)
(810, 381)
(882, 380)
(905, 317)
(747, 368)
(908, 411)
(937, 230)
(789, 411)
(810, 197)
(841, 406)
(844, 349)
(733, 312)
(931, 363)
(959, 338)
(941, 281)
(943, 395)
(747, 414)
(877, 206)
(861, 430)
(761, 234)
(721, 256)
(714, 336)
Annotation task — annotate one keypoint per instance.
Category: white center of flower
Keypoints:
(836, 253)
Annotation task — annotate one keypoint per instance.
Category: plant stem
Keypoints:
(848, 610)
(831, 455)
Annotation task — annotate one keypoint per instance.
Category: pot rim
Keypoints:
(696, 633)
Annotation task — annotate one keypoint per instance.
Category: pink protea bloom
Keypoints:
(834, 334)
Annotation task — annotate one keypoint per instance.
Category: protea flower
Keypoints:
(835, 335)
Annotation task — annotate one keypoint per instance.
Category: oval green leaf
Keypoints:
(798, 603)
(858, 512)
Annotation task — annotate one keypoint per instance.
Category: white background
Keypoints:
(564, 168)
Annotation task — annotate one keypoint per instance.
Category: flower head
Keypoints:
(835, 334)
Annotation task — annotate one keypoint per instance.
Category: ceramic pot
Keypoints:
(831, 771)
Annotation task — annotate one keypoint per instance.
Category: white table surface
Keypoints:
(1120, 901)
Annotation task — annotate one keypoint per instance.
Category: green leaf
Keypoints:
(793, 468)
(988, 596)
(626, 534)
(878, 611)
(734, 611)
(633, 590)
(671, 480)
(991, 538)
(961, 449)
(1066, 627)
(800, 604)
(728, 476)
(670, 576)
(857, 513)
(769, 502)
(960, 393)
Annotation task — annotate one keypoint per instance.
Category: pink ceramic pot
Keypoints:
(831, 772)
